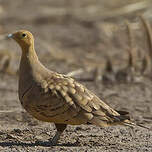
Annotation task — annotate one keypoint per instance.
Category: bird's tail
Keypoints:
(124, 119)
(132, 124)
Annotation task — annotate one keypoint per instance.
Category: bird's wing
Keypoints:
(82, 101)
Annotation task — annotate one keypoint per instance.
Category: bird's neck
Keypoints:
(28, 64)
(29, 60)
(28, 53)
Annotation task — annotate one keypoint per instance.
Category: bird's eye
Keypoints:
(23, 35)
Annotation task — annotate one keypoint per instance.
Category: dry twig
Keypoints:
(147, 59)
(132, 49)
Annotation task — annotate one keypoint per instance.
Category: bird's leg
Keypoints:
(60, 128)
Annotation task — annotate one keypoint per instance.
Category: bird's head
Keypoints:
(23, 38)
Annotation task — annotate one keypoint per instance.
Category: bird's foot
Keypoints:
(55, 139)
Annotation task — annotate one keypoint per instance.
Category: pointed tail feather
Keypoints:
(111, 120)
(132, 124)
(124, 119)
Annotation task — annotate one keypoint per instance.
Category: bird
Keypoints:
(57, 98)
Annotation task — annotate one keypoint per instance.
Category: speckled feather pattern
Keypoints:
(60, 99)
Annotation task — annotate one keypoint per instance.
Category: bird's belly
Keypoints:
(51, 109)
(58, 116)
(56, 113)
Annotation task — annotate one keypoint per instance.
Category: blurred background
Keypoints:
(106, 45)
(82, 34)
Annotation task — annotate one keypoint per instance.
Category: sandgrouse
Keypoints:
(52, 97)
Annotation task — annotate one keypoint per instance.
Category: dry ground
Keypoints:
(70, 35)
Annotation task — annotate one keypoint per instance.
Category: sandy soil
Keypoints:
(70, 35)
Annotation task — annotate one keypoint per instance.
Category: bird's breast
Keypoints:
(43, 106)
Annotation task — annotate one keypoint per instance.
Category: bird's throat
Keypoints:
(28, 63)
(29, 53)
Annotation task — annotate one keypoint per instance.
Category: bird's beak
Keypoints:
(6, 37)
(10, 36)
